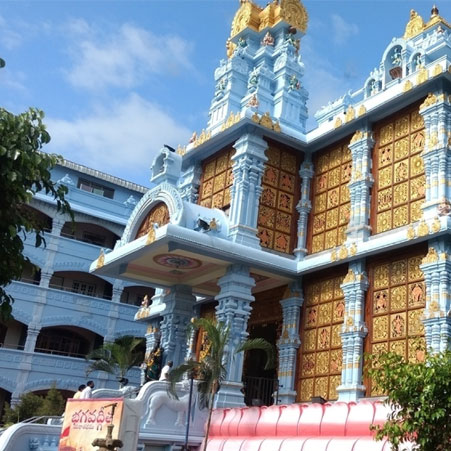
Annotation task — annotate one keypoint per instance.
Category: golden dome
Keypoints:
(250, 15)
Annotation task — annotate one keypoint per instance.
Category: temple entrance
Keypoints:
(260, 385)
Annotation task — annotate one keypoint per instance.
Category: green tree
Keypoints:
(24, 171)
(53, 404)
(31, 405)
(116, 358)
(420, 396)
(210, 371)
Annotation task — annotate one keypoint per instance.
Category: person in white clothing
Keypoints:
(87, 392)
(165, 371)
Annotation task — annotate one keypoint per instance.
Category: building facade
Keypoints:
(61, 312)
(329, 243)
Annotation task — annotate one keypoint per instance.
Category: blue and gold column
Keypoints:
(354, 330)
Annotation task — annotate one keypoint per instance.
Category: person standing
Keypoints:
(78, 392)
(165, 371)
(87, 392)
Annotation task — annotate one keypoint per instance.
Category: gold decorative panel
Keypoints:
(277, 215)
(398, 171)
(159, 214)
(217, 178)
(395, 305)
(331, 204)
(320, 354)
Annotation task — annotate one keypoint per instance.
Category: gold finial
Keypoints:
(415, 25)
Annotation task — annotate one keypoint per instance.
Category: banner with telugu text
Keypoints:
(86, 420)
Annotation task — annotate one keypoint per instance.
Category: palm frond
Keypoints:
(101, 365)
(176, 375)
(260, 343)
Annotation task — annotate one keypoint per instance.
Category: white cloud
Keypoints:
(9, 37)
(125, 57)
(342, 30)
(122, 139)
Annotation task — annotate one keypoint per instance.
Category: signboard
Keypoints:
(86, 420)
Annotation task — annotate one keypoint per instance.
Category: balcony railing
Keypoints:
(85, 240)
(12, 346)
(260, 391)
(62, 353)
(71, 290)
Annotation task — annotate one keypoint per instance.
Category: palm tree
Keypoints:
(116, 358)
(210, 371)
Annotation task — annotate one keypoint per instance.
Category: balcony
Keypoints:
(66, 307)
(45, 369)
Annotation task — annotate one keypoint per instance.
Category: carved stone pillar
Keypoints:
(57, 225)
(234, 309)
(45, 278)
(436, 112)
(354, 330)
(289, 343)
(436, 267)
(32, 336)
(359, 185)
(303, 207)
(248, 165)
(118, 288)
(178, 311)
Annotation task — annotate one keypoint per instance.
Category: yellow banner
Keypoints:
(86, 420)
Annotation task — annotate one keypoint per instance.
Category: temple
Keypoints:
(328, 243)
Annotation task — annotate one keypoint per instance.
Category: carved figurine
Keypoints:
(444, 208)
(268, 40)
(242, 43)
(253, 80)
(396, 57)
(294, 83)
(193, 138)
(145, 302)
(253, 102)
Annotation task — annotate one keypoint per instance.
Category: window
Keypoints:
(91, 187)
(87, 289)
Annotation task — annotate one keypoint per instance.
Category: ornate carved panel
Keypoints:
(201, 343)
(394, 307)
(158, 215)
(398, 171)
(330, 201)
(277, 215)
(216, 180)
(320, 354)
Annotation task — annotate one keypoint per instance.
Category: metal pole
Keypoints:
(191, 384)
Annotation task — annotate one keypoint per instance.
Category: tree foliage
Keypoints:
(210, 371)
(116, 358)
(420, 396)
(31, 405)
(24, 171)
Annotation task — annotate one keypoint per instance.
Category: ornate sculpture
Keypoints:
(268, 40)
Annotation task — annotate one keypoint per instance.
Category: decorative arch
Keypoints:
(35, 255)
(45, 384)
(166, 193)
(113, 228)
(159, 214)
(7, 384)
(21, 316)
(70, 320)
(66, 265)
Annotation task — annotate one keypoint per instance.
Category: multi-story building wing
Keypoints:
(330, 242)
(61, 312)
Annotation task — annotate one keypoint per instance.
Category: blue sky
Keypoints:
(117, 79)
